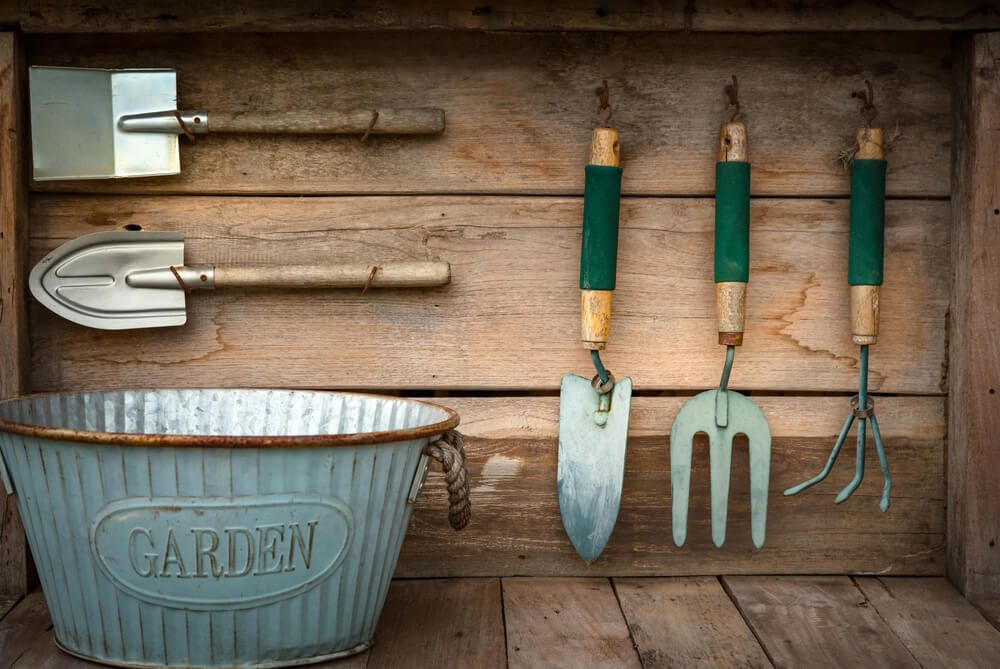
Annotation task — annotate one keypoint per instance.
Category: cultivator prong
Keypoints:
(828, 467)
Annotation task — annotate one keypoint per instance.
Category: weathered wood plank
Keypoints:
(852, 15)
(156, 16)
(816, 621)
(938, 626)
(436, 623)
(21, 627)
(974, 361)
(510, 319)
(359, 661)
(516, 528)
(425, 623)
(16, 572)
(687, 622)
(6, 604)
(44, 654)
(520, 108)
(41, 652)
(565, 622)
(990, 608)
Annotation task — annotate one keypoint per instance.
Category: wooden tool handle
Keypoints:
(867, 238)
(419, 121)
(732, 233)
(422, 274)
(599, 250)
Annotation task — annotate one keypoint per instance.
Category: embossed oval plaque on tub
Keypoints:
(211, 553)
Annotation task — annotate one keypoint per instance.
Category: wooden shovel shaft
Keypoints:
(416, 121)
(421, 274)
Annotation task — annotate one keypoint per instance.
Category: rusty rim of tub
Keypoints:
(231, 441)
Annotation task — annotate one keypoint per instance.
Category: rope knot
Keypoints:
(449, 450)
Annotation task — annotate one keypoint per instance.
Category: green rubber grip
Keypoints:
(867, 244)
(599, 251)
(732, 221)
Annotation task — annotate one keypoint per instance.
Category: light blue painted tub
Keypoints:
(216, 528)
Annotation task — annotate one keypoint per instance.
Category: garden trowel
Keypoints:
(103, 124)
(593, 413)
(721, 413)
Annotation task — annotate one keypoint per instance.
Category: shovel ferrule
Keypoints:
(187, 277)
(169, 122)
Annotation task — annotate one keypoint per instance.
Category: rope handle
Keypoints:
(449, 450)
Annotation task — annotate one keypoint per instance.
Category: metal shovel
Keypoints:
(593, 413)
(126, 280)
(102, 124)
(722, 414)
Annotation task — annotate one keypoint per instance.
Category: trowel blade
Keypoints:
(744, 417)
(85, 280)
(75, 132)
(591, 465)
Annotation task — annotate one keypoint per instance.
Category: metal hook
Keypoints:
(867, 98)
(604, 101)
(733, 93)
(863, 409)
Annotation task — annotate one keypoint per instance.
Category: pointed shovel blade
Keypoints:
(86, 280)
(591, 466)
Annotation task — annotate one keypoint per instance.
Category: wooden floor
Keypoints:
(734, 621)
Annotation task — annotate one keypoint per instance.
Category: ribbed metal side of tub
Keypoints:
(213, 557)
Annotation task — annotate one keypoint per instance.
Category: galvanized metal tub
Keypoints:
(216, 528)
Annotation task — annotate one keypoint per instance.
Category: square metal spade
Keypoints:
(104, 124)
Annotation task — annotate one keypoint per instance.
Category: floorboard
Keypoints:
(441, 622)
(990, 608)
(687, 622)
(742, 621)
(43, 654)
(6, 604)
(817, 621)
(938, 626)
(565, 622)
(19, 629)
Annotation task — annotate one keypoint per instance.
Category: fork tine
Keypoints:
(681, 438)
(721, 454)
(760, 480)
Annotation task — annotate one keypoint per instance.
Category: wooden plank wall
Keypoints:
(498, 195)
(16, 573)
(156, 16)
(974, 421)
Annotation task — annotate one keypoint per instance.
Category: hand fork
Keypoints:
(722, 414)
